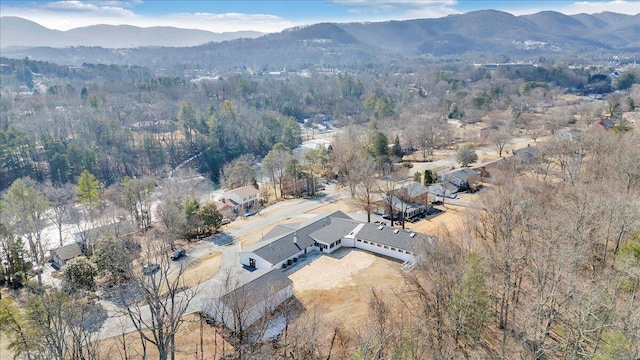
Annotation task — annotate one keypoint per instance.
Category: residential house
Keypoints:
(120, 230)
(414, 192)
(245, 305)
(396, 205)
(606, 123)
(526, 155)
(65, 253)
(285, 244)
(242, 198)
(454, 181)
(225, 208)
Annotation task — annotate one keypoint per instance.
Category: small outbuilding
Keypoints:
(65, 253)
(243, 306)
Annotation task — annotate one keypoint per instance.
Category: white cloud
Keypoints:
(65, 15)
(586, 7)
(228, 21)
(590, 7)
(400, 8)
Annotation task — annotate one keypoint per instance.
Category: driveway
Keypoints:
(228, 244)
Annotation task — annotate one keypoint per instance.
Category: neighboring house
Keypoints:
(444, 189)
(526, 155)
(454, 181)
(87, 239)
(606, 123)
(245, 305)
(409, 200)
(399, 207)
(224, 207)
(286, 243)
(242, 198)
(414, 193)
(65, 253)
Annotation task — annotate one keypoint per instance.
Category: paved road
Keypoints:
(228, 244)
(451, 161)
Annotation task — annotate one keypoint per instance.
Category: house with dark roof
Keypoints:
(65, 253)
(398, 206)
(284, 243)
(526, 155)
(453, 182)
(120, 230)
(246, 304)
(326, 234)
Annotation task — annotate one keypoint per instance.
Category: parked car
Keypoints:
(389, 217)
(225, 221)
(250, 213)
(178, 254)
(150, 268)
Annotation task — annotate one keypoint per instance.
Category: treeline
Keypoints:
(124, 122)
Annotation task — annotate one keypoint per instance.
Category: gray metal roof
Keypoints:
(283, 247)
(118, 229)
(68, 252)
(390, 236)
(414, 189)
(338, 229)
(256, 290)
(280, 230)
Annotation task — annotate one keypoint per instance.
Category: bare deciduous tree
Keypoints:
(158, 300)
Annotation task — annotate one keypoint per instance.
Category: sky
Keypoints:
(275, 16)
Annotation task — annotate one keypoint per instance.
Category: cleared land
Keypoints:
(339, 287)
(203, 268)
(187, 343)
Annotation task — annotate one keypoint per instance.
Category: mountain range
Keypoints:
(338, 44)
(16, 31)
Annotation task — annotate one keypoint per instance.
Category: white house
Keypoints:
(245, 305)
(242, 198)
(284, 244)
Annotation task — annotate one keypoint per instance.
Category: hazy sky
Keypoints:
(274, 16)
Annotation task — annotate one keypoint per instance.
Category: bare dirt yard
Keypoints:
(338, 287)
(203, 268)
(187, 343)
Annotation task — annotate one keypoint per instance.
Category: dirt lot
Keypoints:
(204, 268)
(339, 288)
(187, 343)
